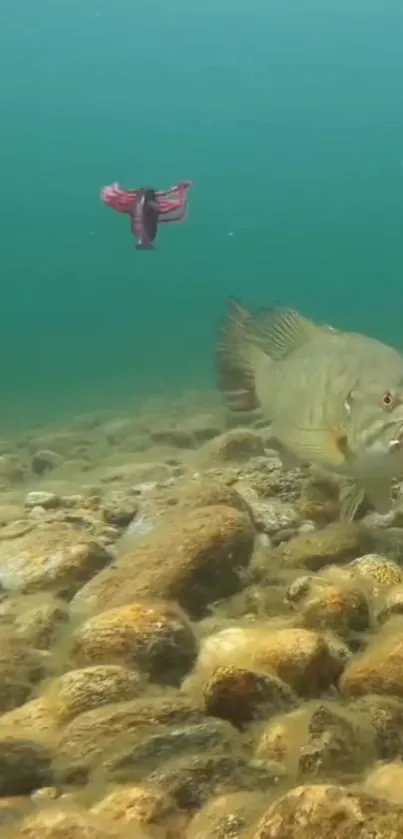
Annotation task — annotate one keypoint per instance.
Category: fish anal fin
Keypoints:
(376, 491)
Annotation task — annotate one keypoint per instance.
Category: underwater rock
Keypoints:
(20, 668)
(55, 559)
(10, 513)
(321, 739)
(238, 444)
(192, 780)
(155, 638)
(34, 716)
(89, 688)
(93, 738)
(385, 714)
(299, 657)
(386, 781)
(379, 669)
(131, 806)
(325, 606)
(194, 558)
(25, 763)
(391, 604)
(380, 571)
(335, 543)
(319, 500)
(226, 816)
(37, 619)
(147, 753)
(47, 500)
(45, 460)
(326, 810)
(12, 470)
(58, 823)
(177, 437)
(242, 696)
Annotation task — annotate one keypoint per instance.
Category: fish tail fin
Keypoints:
(236, 356)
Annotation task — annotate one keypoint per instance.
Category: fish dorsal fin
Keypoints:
(282, 331)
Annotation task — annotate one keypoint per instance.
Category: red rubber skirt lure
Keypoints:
(148, 209)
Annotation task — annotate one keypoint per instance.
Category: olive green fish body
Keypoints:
(333, 399)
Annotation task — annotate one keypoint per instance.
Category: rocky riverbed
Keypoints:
(192, 645)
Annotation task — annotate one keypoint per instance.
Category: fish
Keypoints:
(332, 399)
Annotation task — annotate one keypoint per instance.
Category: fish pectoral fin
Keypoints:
(327, 447)
(352, 495)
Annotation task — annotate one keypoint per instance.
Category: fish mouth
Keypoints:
(396, 444)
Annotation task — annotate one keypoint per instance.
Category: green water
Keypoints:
(288, 117)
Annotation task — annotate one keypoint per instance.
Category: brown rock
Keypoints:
(226, 816)
(300, 657)
(329, 812)
(13, 808)
(38, 619)
(326, 606)
(319, 740)
(238, 444)
(145, 752)
(385, 715)
(56, 823)
(194, 558)
(379, 669)
(194, 779)
(44, 460)
(319, 501)
(91, 739)
(20, 668)
(131, 806)
(318, 548)
(156, 638)
(386, 781)
(57, 560)
(25, 763)
(391, 604)
(381, 572)
(34, 717)
(91, 687)
(240, 695)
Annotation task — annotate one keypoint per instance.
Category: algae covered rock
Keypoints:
(155, 638)
(329, 812)
(323, 605)
(57, 560)
(381, 572)
(235, 445)
(90, 687)
(334, 543)
(20, 669)
(379, 669)
(321, 739)
(134, 805)
(64, 823)
(195, 558)
(25, 763)
(241, 695)
(95, 737)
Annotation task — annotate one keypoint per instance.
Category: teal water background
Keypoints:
(288, 117)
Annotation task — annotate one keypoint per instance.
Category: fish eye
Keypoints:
(387, 400)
